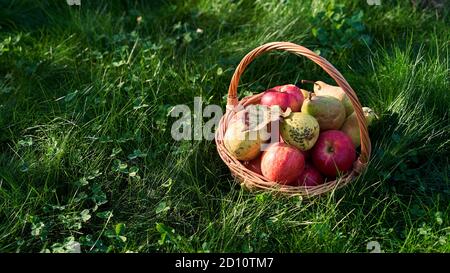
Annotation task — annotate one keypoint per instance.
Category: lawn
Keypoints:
(86, 153)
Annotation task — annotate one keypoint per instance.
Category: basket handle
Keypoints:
(325, 65)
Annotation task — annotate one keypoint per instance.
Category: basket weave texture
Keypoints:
(252, 180)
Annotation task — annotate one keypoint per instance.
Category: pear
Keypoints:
(324, 89)
(351, 127)
(306, 93)
(247, 130)
(300, 130)
(329, 111)
(242, 143)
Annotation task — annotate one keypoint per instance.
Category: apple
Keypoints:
(284, 96)
(254, 165)
(334, 152)
(295, 92)
(310, 176)
(282, 163)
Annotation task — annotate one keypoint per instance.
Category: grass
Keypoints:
(86, 153)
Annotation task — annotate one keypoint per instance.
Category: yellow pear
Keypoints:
(242, 143)
(247, 130)
(307, 94)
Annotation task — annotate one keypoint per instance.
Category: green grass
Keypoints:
(86, 153)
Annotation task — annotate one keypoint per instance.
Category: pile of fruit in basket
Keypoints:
(318, 135)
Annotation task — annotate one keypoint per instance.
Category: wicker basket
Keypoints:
(252, 180)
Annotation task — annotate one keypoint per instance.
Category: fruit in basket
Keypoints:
(284, 96)
(295, 92)
(333, 153)
(310, 176)
(300, 130)
(240, 141)
(282, 163)
(351, 127)
(324, 89)
(328, 111)
(254, 165)
(369, 114)
(306, 94)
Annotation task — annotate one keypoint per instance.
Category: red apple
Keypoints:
(310, 176)
(333, 152)
(282, 163)
(294, 91)
(284, 96)
(254, 165)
